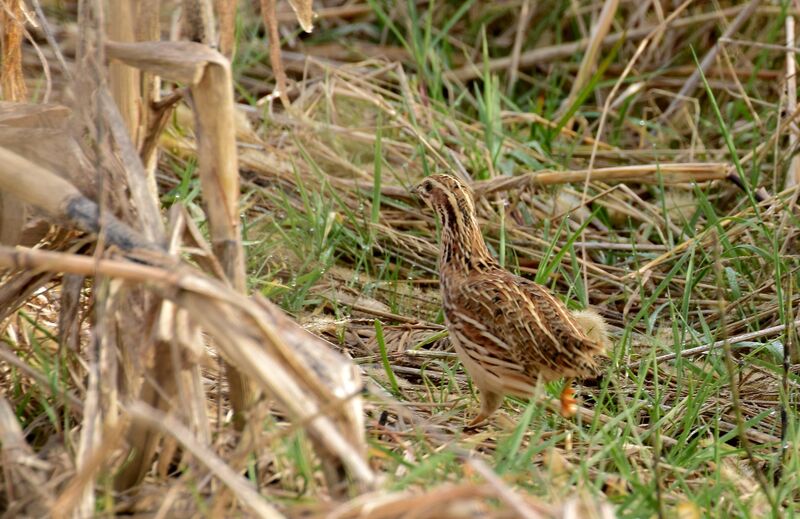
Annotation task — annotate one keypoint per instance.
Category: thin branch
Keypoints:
(691, 84)
(242, 488)
(700, 350)
(525, 16)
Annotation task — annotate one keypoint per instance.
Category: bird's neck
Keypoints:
(463, 247)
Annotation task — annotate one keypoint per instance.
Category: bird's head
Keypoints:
(446, 195)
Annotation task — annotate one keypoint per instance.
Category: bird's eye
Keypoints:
(426, 187)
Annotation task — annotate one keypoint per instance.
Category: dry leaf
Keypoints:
(304, 13)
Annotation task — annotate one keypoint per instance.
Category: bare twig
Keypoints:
(546, 54)
(525, 16)
(64, 506)
(271, 23)
(242, 488)
(51, 40)
(699, 350)
(691, 84)
(647, 173)
(600, 30)
(514, 501)
(793, 174)
(24, 474)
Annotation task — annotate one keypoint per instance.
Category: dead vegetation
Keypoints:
(220, 298)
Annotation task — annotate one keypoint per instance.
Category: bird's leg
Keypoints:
(490, 401)
(568, 402)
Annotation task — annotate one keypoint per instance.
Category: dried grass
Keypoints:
(158, 387)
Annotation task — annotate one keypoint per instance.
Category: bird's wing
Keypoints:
(518, 328)
(579, 347)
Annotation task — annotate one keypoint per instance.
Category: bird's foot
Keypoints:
(569, 405)
(477, 422)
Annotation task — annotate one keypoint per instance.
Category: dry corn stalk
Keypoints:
(226, 14)
(23, 127)
(12, 82)
(317, 388)
(25, 475)
(305, 16)
(124, 81)
(208, 74)
(198, 22)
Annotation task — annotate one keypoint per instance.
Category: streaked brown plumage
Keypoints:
(508, 331)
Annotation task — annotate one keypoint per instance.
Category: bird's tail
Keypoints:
(594, 326)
